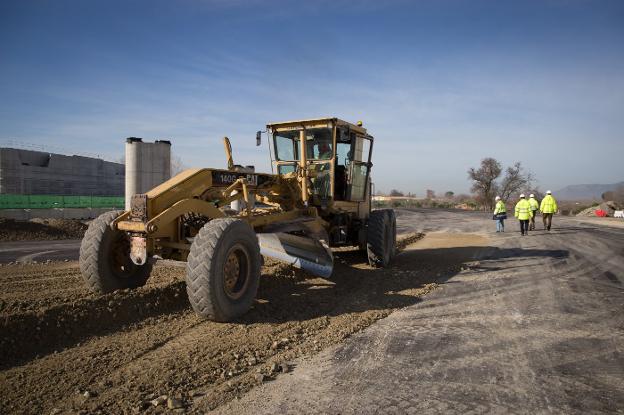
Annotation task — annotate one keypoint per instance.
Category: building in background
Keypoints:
(49, 185)
(27, 172)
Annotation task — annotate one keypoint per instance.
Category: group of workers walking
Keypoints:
(525, 211)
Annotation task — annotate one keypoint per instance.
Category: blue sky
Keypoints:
(440, 84)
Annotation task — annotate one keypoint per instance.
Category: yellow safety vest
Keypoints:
(523, 210)
(533, 203)
(549, 205)
(500, 207)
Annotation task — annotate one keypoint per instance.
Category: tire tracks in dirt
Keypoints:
(124, 352)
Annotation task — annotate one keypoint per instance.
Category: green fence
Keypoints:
(51, 201)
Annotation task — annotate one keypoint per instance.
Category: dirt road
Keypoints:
(123, 350)
(29, 251)
(535, 325)
(495, 334)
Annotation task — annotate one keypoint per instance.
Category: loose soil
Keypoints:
(65, 350)
(41, 229)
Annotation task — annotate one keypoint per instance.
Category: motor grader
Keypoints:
(223, 221)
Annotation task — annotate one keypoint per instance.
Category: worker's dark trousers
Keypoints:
(524, 226)
(532, 221)
(547, 217)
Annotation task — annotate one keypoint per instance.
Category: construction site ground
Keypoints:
(465, 320)
(41, 229)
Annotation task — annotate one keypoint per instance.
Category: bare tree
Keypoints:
(484, 184)
(516, 179)
(177, 165)
(616, 195)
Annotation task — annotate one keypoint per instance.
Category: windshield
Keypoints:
(318, 144)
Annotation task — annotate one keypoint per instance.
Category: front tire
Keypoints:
(105, 261)
(223, 269)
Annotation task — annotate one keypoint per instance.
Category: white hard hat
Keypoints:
(521, 195)
(497, 198)
(531, 195)
(548, 192)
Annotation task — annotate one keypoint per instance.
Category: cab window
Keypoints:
(360, 168)
(319, 143)
(287, 145)
(352, 165)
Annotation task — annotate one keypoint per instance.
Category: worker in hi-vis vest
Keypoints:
(548, 207)
(534, 208)
(524, 214)
(500, 214)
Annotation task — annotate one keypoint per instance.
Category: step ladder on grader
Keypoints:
(221, 222)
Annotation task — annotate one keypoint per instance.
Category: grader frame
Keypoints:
(221, 220)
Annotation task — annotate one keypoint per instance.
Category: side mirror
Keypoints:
(258, 138)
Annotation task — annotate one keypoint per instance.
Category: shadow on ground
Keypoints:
(355, 287)
(285, 295)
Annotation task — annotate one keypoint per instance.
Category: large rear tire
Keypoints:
(223, 269)
(105, 261)
(381, 237)
(392, 241)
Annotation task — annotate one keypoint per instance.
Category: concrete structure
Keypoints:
(147, 165)
(41, 173)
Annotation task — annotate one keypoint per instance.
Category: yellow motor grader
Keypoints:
(222, 221)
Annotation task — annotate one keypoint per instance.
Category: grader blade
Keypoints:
(298, 251)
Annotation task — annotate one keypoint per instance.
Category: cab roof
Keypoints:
(317, 122)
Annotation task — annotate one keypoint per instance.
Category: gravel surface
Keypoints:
(496, 337)
(67, 350)
(531, 325)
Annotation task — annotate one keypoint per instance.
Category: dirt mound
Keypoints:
(41, 229)
(609, 207)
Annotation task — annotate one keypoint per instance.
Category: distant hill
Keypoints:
(585, 191)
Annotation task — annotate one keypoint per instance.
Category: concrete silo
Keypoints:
(147, 165)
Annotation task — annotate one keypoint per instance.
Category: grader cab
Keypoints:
(222, 221)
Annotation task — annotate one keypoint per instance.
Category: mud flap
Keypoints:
(305, 253)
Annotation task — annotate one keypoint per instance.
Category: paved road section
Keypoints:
(532, 324)
(29, 251)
